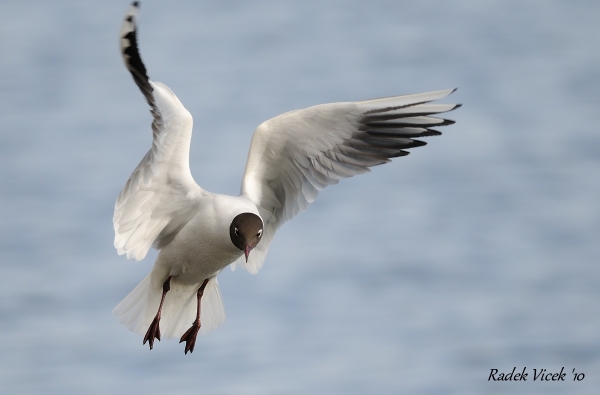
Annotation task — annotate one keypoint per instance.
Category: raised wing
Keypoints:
(161, 195)
(295, 155)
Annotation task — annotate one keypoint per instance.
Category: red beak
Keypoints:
(247, 252)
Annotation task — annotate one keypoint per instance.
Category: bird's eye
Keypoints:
(235, 230)
(259, 234)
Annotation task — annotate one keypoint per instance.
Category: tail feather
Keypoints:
(131, 311)
(213, 313)
(138, 308)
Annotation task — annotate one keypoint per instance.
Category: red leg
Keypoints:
(190, 335)
(154, 329)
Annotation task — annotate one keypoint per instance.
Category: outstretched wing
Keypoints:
(161, 195)
(295, 155)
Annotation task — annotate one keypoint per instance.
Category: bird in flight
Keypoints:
(198, 233)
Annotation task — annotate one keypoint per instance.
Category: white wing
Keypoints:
(295, 155)
(161, 194)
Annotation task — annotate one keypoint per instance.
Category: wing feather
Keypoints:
(295, 155)
(160, 196)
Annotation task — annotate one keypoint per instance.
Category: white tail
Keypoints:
(138, 308)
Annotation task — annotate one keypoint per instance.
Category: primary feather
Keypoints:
(295, 155)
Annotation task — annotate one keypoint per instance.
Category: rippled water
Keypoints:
(478, 251)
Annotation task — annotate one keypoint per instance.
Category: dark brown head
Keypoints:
(245, 231)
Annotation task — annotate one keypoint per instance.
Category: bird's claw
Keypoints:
(190, 337)
(153, 332)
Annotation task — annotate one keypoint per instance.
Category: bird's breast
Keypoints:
(200, 250)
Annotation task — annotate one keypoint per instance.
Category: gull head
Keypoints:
(245, 231)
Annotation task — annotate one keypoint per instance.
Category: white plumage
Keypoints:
(291, 158)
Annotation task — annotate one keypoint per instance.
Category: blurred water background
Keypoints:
(478, 251)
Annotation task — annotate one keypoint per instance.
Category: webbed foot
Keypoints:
(153, 331)
(190, 337)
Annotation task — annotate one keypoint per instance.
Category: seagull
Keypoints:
(198, 233)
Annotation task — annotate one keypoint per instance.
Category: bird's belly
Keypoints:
(196, 254)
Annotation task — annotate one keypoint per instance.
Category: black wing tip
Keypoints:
(399, 154)
(131, 54)
(417, 143)
(446, 122)
(400, 133)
